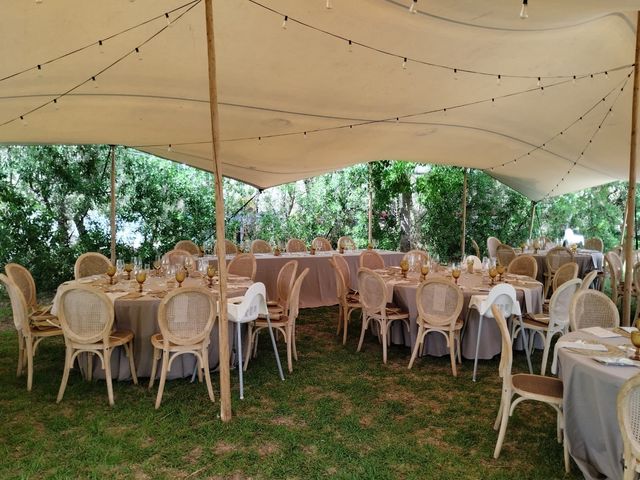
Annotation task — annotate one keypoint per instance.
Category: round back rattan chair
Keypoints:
(261, 246)
(524, 265)
(346, 243)
(230, 248)
(492, 246)
(178, 257)
(616, 279)
(295, 245)
(588, 279)
(628, 408)
(566, 272)
(371, 259)
(505, 254)
(591, 308)
(555, 258)
(284, 284)
(348, 300)
(243, 265)
(416, 258)
(24, 281)
(594, 243)
(188, 246)
(92, 263)
(321, 244)
(476, 248)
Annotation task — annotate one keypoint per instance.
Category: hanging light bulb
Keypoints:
(538, 83)
(24, 121)
(350, 46)
(523, 10)
(328, 5)
(455, 73)
(55, 104)
(573, 80)
(606, 75)
(404, 63)
(413, 8)
(498, 79)
(38, 2)
(139, 53)
(305, 135)
(169, 23)
(169, 148)
(101, 46)
(39, 71)
(284, 22)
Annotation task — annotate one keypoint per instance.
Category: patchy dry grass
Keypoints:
(340, 414)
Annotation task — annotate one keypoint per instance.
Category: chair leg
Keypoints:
(346, 313)
(65, 374)
(475, 360)
(275, 348)
(20, 355)
(547, 286)
(340, 318)
(288, 334)
(503, 423)
(207, 374)
(452, 354)
(545, 353)
(293, 342)
(107, 374)
(154, 367)
(247, 354)
(128, 350)
(240, 369)
(163, 377)
(29, 345)
(383, 328)
(416, 347)
(365, 325)
(89, 366)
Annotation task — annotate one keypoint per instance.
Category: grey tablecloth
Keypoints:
(590, 392)
(319, 288)
(435, 344)
(587, 260)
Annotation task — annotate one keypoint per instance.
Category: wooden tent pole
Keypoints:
(624, 221)
(464, 213)
(533, 216)
(223, 328)
(370, 212)
(113, 204)
(631, 191)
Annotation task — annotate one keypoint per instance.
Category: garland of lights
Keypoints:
(405, 60)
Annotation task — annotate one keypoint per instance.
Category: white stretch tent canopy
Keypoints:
(274, 81)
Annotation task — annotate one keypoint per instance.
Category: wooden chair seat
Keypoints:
(548, 387)
(48, 331)
(393, 314)
(157, 340)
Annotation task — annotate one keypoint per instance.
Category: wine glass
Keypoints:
(635, 339)
(120, 265)
(500, 270)
(404, 267)
(470, 265)
(156, 266)
(111, 271)
(455, 272)
(493, 273)
(141, 277)
(128, 267)
(180, 276)
(424, 271)
(211, 272)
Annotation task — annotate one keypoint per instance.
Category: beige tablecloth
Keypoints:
(587, 260)
(471, 284)
(319, 288)
(590, 392)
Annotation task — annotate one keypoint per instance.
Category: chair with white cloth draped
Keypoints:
(29, 336)
(243, 265)
(295, 245)
(505, 254)
(260, 246)
(591, 308)
(555, 258)
(628, 409)
(492, 246)
(91, 263)
(555, 322)
(371, 259)
(185, 317)
(415, 259)
(439, 303)
(524, 265)
(247, 309)
(188, 246)
(373, 297)
(504, 296)
(526, 387)
(86, 316)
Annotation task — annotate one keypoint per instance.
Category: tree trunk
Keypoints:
(406, 204)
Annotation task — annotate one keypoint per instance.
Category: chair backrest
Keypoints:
(86, 314)
(296, 245)
(24, 281)
(588, 279)
(591, 308)
(373, 292)
(188, 246)
(347, 243)
(243, 265)
(566, 272)
(476, 248)
(230, 248)
(178, 257)
(439, 302)
(92, 263)
(524, 265)
(254, 303)
(614, 267)
(341, 264)
(504, 296)
(294, 299)
(506, 354)
(594, 243)
(18, 304)
(371, 259)
(628, 409)
(492, 246)
(260, 246)
(416, 258)
(505, 254)
(321, 244)
(477, 263)
(556, 257)
(186, 315)
(284, 283)
(561, 302)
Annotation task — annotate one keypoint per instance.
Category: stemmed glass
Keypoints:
(119, 265)
(455, 272)
(180, 276)
(111, 271)
(493, 273)
(424, 271)
(211, 272)
(404, 267)
(141, 277)
(156, 266)
(635, 339)
(128, 267)
(500, 271)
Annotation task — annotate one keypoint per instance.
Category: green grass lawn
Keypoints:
(340, 414)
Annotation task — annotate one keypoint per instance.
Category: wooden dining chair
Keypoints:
(86, 316)
(188, 246)
(555, 258)
(178, 258)
(415, 259)
(492, 246)
(439, 303)
(348, 300)
(284, 283)
(594, 243)
(321, 244)
(185, 317)
(476, 248)
(260, 246)
(39, 315)
(615, 274)
(591, 308)
(371, 259)
(29, 336)
(628, 410)
(295, 245)
(244, 265)
(230, 248)
(524, 386)
(524, 265)
(346, 243)
(373, 297)
(505, 254)
(91, 263)
(588, 279)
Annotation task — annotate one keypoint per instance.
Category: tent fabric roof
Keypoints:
(276, 83)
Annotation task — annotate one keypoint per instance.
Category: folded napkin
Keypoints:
(579, 345)
(601, 332)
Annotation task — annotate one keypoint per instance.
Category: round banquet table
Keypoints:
(140, 316)
(404, 296)
(590, 393)
(319, 287)
(587, 260)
